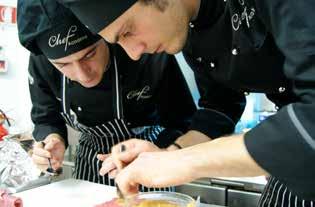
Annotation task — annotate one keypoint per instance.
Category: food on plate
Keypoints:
(117, 202)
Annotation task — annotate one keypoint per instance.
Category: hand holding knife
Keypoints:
(118, 191)
(50, 169)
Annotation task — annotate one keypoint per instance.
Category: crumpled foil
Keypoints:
(16, 166)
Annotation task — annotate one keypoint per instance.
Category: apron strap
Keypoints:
(65, 95)
(117, 90)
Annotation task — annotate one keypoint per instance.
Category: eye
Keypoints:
(90, 54)
(127, 34)
(61, 65)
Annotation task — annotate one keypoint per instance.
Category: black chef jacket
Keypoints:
(154, 92)
(263, 46)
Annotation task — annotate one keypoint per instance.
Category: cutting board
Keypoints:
(67, 193)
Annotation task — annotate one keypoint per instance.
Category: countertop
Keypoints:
(67, 193)
(70, 192)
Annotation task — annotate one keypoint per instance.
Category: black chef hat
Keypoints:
(97, 14)
(47, 27)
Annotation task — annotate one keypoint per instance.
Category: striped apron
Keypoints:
(277, 194)
(101, 138)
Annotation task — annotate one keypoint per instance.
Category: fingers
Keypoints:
(38, 150)
(122, 154)
(51, 142)
(39, 160)
(126, 182)
(125, 152)
(102, 157)
(116, 156)
(107, 166)
(56, 164)
(41, 154)
(113, 173)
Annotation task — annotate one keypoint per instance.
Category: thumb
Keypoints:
(102, 157)
(128, 155)
(51, 143)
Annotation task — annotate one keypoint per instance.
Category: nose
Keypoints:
(82, 71)
(133, 48)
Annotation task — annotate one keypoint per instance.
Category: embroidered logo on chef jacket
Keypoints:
(244, 15)
(69, 40)
(249, 32)
(140, 94)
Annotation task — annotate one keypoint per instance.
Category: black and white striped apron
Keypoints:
(99, 139)
(277, 194)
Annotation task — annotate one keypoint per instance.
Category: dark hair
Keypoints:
(159, 4)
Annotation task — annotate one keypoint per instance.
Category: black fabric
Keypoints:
(47, 27)
(212, 123)
(145, 89)
(97, 14)
(208, 14)
(48, 106)
(168, 137)
(65, 39)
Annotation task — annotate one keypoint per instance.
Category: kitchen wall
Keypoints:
(14, 95)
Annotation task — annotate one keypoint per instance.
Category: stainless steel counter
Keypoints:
(235, 192)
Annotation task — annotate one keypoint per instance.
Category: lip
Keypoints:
(159, 49)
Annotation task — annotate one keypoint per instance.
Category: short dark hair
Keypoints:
(159, 4)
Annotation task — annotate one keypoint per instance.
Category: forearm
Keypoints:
(189, 139)
(223, 157)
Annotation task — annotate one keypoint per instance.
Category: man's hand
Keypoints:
(222, 157)
(156, 169)
(54, 149)
(124, 153)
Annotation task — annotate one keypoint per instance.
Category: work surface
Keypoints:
(67, 193)
(70, 193)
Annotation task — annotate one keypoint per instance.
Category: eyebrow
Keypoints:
(83, 56)
(119, 32)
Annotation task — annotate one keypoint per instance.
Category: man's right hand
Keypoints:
(54, 148)
(118, 158)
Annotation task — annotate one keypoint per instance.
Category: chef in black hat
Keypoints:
(248, 46)
(76, 78)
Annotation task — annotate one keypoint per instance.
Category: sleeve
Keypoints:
(284, 144)
(175, 103)
(220, 108)
(46, 108)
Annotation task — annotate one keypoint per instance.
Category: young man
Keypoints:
(78, 79)
(246, 45)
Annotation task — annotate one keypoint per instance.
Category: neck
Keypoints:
(192, 7)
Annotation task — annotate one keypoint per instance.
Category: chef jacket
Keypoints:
(263, 46)
(154, 92)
